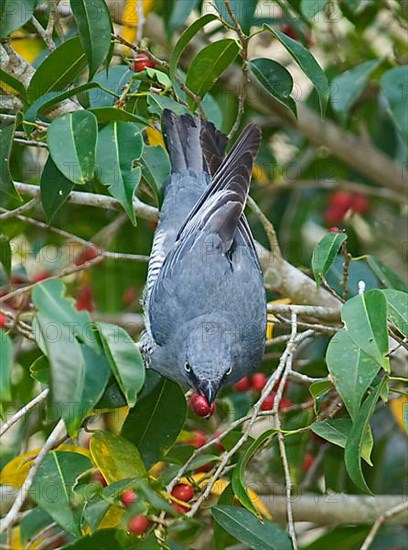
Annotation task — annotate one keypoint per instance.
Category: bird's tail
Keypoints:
(193, 144)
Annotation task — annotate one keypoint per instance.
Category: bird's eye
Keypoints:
(187, 367)
(229, 371)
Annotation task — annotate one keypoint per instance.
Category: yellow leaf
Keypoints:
(112, 518)
(154, 137)
(115, 457)
(269, 330)
(156, 470)
(130, 17)
(15, 471)
(116, 419)
(260, 175)
(17, 544)
(399, 409)
(28, 48)
(272, 318)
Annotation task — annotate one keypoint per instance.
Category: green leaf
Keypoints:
(58, 70)
(6, 363)
(33, 522)
(180, 12)
(113, 114)
(13, 15)
(208, 65)
(79, 370)
(246, 528)
(111, 81)
(157, 419)
(310, 8)
(5, 254)
(276, 80)
(387, 276)
(112, 398)
(95, 27)
(243, 11)
(352, 370)
(7, 190)
(106, 539)
(40, 370)
(53, 484)
(55, 189)
(116, 457)
(155, 168)
(238, 473)
(125, 360)
(308, 64)
(348, 86)
(13, 83)
(394, 87)
(72, 141)
(184, 39)
(336, 431)
(398, 309)
(222, 539)
(119, 145)
(157, 103)
(325, 252)
(355, 439)
(365, 317)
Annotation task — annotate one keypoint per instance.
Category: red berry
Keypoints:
(290, 31)
(360, 203)
(284, 404)
(129, 296)
(307, 462)
(17, 280)
(41, 276)
(333, 216)
(198, 439)
(129, 498)
(341, 200)
(97, 476)
(2, 321)
(335, 230)
(200, 405)
(183, 492)
(138, 524)
(179, 508)
(84, 300)
(141, 61)
(242, 385)
(86, 255)
(258, 381)
(267, 405)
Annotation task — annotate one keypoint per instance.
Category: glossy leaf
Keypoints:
(184, 39)
(398, 309)
(119, 145)
(337, 430)
(355, 439)
(243, 11)
(52, 487)
(365, 317)
(276, 80)
(55, 189)
(72, 141)
(125, 360)
(387, 276)
(208, 65)
(394, 87)
(157, 419)
(33, 522)
(246, 528)
(13, 16)
(308, 64)
(238, 473)
(13, 83)
(325, 252)
(310, 8)
(79, 370)
(112, 114)
(116, 457)
(7, 190)
(58, 70)
(180, 12)
(155, 168)
(40, 370)
(111, 81)
(95, 27)
(352, 370)
(223, 539)
(348, 86)
(107, 539)
(6, 363)
(5, 254)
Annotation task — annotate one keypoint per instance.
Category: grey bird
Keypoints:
(204, 300)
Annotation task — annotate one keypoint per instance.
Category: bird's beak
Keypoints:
(209, 389)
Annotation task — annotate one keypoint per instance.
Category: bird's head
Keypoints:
(207, 358)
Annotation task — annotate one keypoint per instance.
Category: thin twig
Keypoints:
(40, 534)
(141, 20)
(56, 16)
(269, 229)
(327, 313)
(346, 266)
(380, 520)
(54, 437)
(23, 208)
(23, 411)
(31, 143)
(46, 34)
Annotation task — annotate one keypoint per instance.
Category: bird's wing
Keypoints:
(213, 144)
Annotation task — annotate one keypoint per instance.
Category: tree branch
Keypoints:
(23, 411)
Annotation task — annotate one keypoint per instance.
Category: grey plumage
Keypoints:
(204, 301)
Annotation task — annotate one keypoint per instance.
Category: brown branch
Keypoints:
(398, 509)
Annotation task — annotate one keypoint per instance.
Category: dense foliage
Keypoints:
(97, 452)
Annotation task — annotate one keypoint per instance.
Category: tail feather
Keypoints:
(182, 135)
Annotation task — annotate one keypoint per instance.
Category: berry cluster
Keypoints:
(256, 383)
(342, 202)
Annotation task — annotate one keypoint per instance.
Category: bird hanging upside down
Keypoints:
(204, 301)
